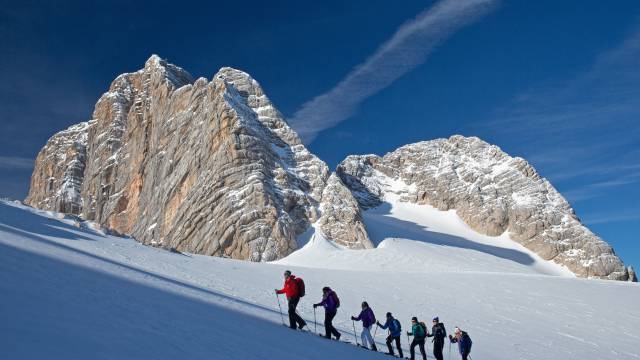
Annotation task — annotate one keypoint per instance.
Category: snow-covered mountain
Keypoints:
(493, 193)
(70, 291)
(211, 167)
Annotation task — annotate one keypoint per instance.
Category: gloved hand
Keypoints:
(378, 323)
(276, 290)
(408, 333)
(315, 306)
(353, 318)
(450, 337)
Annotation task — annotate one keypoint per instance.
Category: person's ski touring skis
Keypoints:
(331, 303)
(395, 331)
(419, 333)
(439, 333)
(368, 320)
(464, 342)
(293, 290)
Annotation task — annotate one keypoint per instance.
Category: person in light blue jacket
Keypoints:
(395, 331)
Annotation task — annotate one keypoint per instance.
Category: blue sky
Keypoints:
(554, 82)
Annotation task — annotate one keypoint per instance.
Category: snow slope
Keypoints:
(75, 293)
(420, 238)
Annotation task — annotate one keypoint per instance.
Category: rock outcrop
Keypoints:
(492, 192)
(56, 183)
(208, 167)
(632, 274)
(341, 219)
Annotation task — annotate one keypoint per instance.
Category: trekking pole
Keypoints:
(354, 332)
(449, 349)
(374, 333)
(315, 322)
(280, 307)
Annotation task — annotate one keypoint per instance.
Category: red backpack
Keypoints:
(300, 285)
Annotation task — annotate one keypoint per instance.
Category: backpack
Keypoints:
(397, 326)
(335, 298)
(466, 337)
(300, 285)
(444, 331)
(422, 326)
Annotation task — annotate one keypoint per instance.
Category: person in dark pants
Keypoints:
(464, 342)
(292, 293)
(418, 330)
(330, 302)
(439, 333)
(395, 330)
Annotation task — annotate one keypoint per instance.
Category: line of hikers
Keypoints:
(294, 289)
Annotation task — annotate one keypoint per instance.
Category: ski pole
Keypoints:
(354, 332)
(280, 307)
(426, 349)
(374, 333)
(449, 349)
(315, 322)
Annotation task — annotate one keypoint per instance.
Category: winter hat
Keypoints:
(388, 314)
(287, 273)
(436, 319)
(326, 288)
(457, 330)
(414, 319)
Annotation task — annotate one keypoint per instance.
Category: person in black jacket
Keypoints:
(439, 333)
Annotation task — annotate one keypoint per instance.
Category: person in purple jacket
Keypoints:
(331, 303)
(368, 319)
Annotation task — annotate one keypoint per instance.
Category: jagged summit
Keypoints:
(212, 167)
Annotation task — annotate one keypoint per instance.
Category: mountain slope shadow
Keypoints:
(54, 309)
(397, 228)
(40, 225)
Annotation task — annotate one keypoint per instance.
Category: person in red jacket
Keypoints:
(290, 290)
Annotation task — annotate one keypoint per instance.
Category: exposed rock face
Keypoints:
(204, 167)
(341, 219)
(632, 274)
(56, 182)
(493, 193)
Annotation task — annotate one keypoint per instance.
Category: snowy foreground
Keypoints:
(71, 292)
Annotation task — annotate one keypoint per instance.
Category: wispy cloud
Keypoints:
(593, 219)
(406, 49)
(16, 163)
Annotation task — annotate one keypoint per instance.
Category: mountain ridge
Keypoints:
(212, 167)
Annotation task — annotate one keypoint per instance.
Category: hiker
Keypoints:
(464, 342)
(439, 333)
(331, 303)
(293, 290)
(419, 332)
(395, 331)
(368, 319)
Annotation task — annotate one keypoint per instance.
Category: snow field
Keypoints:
(75, 293)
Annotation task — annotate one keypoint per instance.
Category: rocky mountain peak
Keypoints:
(212, 167)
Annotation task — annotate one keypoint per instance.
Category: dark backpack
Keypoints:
(467, 341)
(300, 285)
(335, 299)
(444, 331)
(396, 325)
